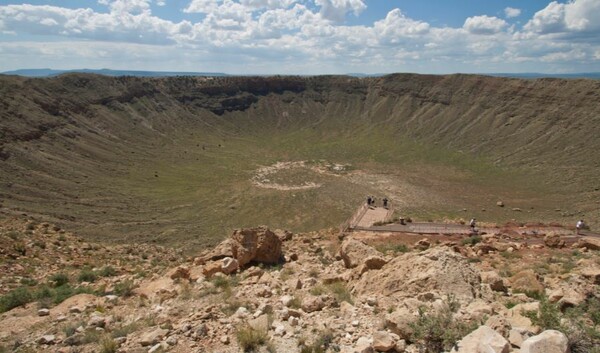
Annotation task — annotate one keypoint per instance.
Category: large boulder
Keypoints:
(589, 243)
(550, 341)
(553, 240)
(400, 322)
(482, 340)
(255, 244)
(383, 341)
(438, 270)
(494, 280)
(354, 252)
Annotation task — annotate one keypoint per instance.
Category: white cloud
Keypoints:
(574, 16)
(484, 24)
(307, 36)
(336, 10)
(511, 12)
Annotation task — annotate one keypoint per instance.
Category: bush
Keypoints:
(87, 275)
(108, 345)
(471, 240)
(15, 298)
(59, 279)
(250, 339)
(107, 271)
(340, 292)
(439, 331)
(124, 289)
(319, 345)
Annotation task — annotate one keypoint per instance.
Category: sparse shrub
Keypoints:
(510, 304)
(124, 330)
(533, 294)
(28, 282)
(314, 273)
(340, 292)
(59, 279)
(124, 288)
(20, 248)
(286, 273)
(87, 275)
(510, 255)
(108, 345)
(296, 303)
(40, 244)
(317, 290)
(107, 271)
(474, 260)
(91, 336)
(438, 331)
(231, 306)
(394, 248)
(250, 339)
(30, 226)
(320, 345)
(13, 235)
(15, 298)
(70, 329)
(471, 241)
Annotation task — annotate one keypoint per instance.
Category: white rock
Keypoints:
(43, 312)
(383, 341)
(280, 330)
(224, 339)
(286, 300)
(483, 340)
(550, 341)
(46, 339)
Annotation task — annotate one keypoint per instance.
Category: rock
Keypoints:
(399, 322)
(97, 321)
(354, 252)
(363, 345)
(171, 341)
(553, 240)
(478, 309)
(588, 243)
(153, 337)
(46, 339)
(283, 235)
(279, 330)
(312, 303)
(494, 280)
(43, 312)
(499, 324)
(526, 281)
(159, 347)
(256, 244)
(261, 323)
(517, 336)
(372, 263)
(224, 339)
(287, 300)
(550, 341)
(211, 268)
(571, 299)
(111, 298)
(423, 244)
(229, 265)
(500, 204)
(437, 270)
(180, 272)
(592, 274)
(518, 320)
(383, 341)
(482, 340)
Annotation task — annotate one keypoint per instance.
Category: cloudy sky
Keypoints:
(303, 36)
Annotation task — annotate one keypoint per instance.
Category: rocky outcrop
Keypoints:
(256, 245)
(438, 270)
(354, 252)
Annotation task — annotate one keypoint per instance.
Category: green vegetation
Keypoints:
(472, 240)
(580, 324)
(108, 345)
(107, 271)
(438, 331)
(337, 289)
(124, 288)
(59, 279)
(250, 339)
(15, 298)
(394, 248)
(320, 343)
(87, 275)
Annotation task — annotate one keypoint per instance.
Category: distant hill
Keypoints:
(108, 72)
(590, 75)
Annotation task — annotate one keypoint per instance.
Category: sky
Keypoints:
(303, 36)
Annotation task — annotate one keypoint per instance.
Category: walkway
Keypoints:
(372, 216)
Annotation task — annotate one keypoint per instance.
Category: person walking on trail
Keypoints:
(369, 200)
(385, 202)
(472, 225)
(579, 226)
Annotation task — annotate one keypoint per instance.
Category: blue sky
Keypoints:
(303, 36)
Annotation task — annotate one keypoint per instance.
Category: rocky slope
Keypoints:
(274, 291)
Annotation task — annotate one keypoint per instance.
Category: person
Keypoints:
(369, 200)
(472, 225)
(385, 202)
(579, 226)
